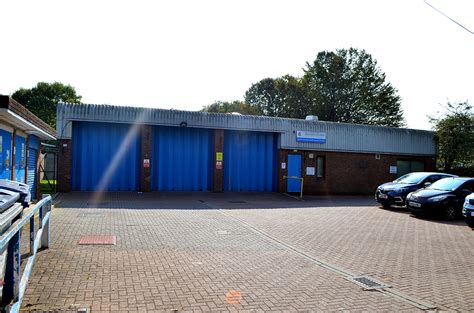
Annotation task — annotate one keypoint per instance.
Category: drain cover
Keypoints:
(237, 201)
(368, 282)
(98, 240)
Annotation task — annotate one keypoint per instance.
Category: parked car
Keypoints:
(395, 193)
(468, 210)
(445, 197)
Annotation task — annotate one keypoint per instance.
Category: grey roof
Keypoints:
(340, 136)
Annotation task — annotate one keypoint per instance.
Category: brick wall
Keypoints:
(218, 180)
(64, 165)
(346, 173)
(145, 169)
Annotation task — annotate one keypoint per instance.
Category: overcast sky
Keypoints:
(187, 54)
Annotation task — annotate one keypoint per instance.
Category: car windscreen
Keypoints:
(447, 184)
(412, 178)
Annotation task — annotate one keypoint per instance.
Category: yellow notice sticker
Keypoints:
(218, 156)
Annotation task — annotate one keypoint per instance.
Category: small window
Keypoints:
(320, 167)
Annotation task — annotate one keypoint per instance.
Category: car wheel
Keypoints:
(470, 223)
(386, 206)
(450, 213)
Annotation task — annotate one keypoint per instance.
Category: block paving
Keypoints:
(186, 252)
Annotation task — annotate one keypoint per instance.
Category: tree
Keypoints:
(229, 107)
(283, 97)
(348, 86)
(42, 99)
(455, 137)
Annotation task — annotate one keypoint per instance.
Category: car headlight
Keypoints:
(437, 198)
(409, 195)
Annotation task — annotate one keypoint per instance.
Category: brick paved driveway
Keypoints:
(187, 251)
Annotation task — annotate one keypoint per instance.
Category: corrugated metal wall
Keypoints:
(5, 154)
(20, 158)
(250, 161)
(362, 138)
(182, 159)
(340, 136)
(105, 156)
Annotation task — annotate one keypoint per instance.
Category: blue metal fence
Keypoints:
(14, 286)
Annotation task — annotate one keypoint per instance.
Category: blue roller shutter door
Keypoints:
(250, 161)
(32, 154)
(182, 159)
(105, 156)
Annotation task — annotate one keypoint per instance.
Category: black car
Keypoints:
(395, 193)
(444, 197)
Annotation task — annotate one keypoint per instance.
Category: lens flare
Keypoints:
(132, 133)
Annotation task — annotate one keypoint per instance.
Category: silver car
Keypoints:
(468, 210)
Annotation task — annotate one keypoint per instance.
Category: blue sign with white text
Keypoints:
(305, 136)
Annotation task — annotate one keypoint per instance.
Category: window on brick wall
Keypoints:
(320, 166)
(405, 167)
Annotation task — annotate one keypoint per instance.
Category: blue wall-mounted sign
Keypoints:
(305, 136)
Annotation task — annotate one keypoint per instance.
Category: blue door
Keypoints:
(5, 154)
(250, 161)
(105, 157)
(182, 159)
(20, 159)
(294, 170)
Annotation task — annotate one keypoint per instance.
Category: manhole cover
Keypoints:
(368, 282)
(98, 240)
(237, 201)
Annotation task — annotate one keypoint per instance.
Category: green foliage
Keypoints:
(348, 86)
(455, 136)
(283, 96)
(44, 97)
(341, 86)
(229, 107)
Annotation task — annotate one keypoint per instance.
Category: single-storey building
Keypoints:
(113, 148)
(21, 133)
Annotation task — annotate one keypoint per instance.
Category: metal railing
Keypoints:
(14, 287)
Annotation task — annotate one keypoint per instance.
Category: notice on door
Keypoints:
(218, 156)
(218, 165)
(393, 170)
(310, 171)
(146, 163)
